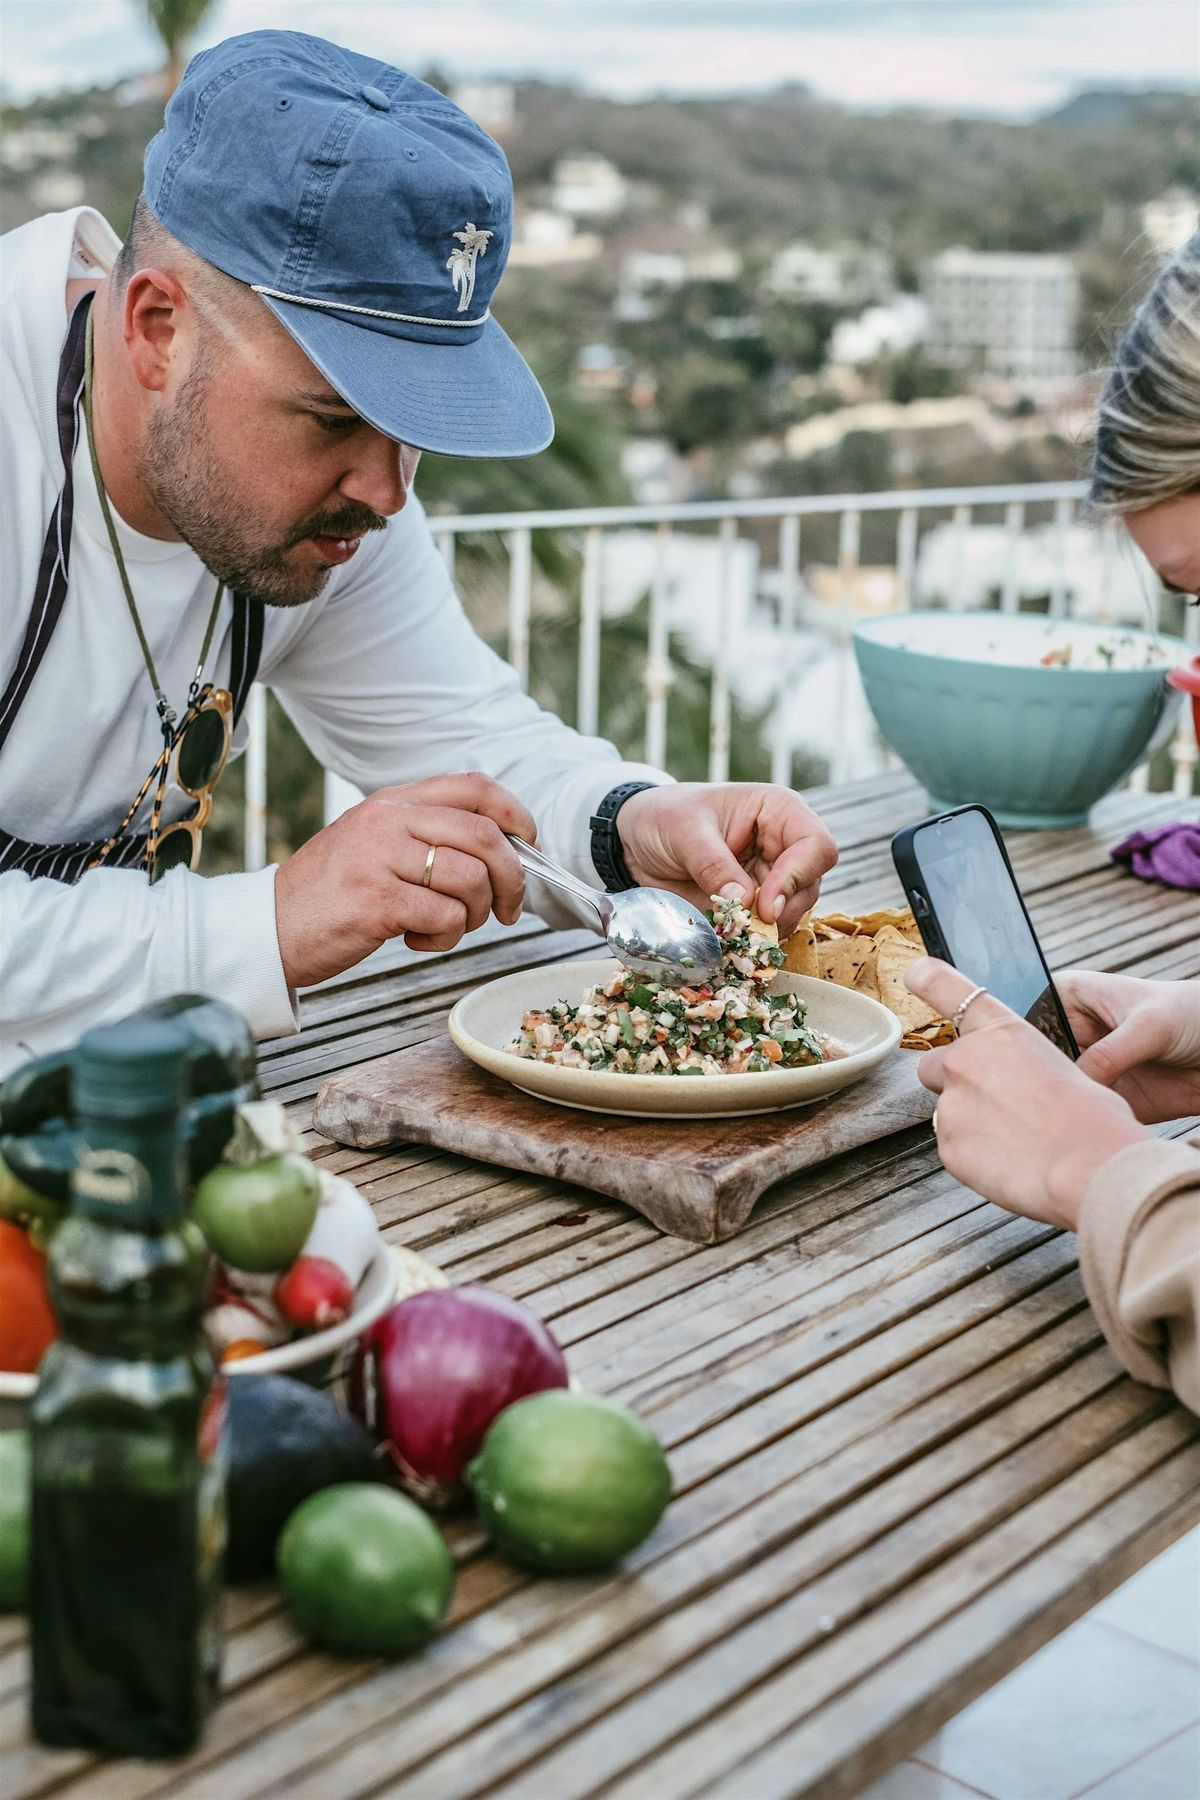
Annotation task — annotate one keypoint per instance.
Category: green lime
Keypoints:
(14, 1517)
(568, 1481)
(365, 1569)
(257, 1216)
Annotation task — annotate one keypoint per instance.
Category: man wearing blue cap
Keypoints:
(211, 437)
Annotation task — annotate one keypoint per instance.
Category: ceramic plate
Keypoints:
(484, 1022)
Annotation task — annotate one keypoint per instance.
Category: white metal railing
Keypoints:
(794, 613)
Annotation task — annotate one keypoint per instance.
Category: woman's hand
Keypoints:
(1016, 1120)
(1141, 1038)
(737, 838)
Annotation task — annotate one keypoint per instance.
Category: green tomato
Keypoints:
(258, 1217)
(365, 1569)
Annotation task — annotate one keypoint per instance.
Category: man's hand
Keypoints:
(359, 882)
(1016, 1119)
(1141, 1038)
(700, 839)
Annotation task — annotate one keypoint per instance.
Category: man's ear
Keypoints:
(153, 315)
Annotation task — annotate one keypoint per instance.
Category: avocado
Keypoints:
(285, 1441)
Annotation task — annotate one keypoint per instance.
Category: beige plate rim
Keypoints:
(628, 1095)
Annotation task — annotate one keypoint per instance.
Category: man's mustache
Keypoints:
(345, 522)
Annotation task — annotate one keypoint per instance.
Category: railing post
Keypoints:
(1014, 526)
(588, 700)
(906, 557)
(520, 586)
(446, 542)
(657, 675)
(848, 542)
(789, 611)
(719, 713)
(1058, 591)
(255, 824)
(958, 555)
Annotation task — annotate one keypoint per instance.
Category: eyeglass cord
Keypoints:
(166, 712)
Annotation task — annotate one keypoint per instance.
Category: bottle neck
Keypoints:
(130, 1172)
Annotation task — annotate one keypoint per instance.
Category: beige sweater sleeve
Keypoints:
(1139, 1245)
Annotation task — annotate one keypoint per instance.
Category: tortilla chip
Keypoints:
(842, 960)
(764, 928)
(801, 948)
(870, 952)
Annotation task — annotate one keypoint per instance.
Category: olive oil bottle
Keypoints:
(127, 1495)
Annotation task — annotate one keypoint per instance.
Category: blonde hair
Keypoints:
(1147, 445)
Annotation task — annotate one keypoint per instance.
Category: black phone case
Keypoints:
(908, 868)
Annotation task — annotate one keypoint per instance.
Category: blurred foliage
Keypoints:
(175, 22)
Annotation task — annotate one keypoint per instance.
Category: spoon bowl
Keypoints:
(655, 933)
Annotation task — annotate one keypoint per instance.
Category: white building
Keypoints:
(880, 331)
(589, 187)
(648, 275)
(492, 104)
(544, 238)
(1170, 221)
(840, 275)
(1004, 312)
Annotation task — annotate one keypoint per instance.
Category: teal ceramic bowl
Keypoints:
(966, 701)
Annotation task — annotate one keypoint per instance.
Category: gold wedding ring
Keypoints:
(959, 1013)
(427, 877)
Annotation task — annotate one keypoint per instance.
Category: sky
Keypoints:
(1009, 57)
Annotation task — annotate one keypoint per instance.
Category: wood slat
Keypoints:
(903, 1455)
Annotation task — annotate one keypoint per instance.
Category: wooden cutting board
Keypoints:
(696, 1179)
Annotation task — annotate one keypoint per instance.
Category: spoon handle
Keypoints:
(534, 862)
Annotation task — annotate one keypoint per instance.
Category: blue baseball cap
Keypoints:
(372, 216)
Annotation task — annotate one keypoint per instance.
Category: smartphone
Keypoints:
(964, 895)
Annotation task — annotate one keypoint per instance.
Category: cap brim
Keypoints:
(466, 399)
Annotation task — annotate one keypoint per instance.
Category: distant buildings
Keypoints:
(648, 277)
(1171, 220)
(492, 104)
(889, 330)
(588, 187)
(840, 275)
(545, 238)
(1009, 314)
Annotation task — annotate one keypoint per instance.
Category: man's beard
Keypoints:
(180, 470)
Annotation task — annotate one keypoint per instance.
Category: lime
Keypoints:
(365, 1569)
(14, 1517)
(568, 1481)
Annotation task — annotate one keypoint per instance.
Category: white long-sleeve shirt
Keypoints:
(382, 674)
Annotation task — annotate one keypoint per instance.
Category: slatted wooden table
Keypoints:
(903, 1455)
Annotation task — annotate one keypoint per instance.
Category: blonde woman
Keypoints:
(1015, 1119)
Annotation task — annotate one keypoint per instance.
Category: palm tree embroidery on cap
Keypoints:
(461, 263)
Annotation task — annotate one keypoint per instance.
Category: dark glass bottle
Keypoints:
(128, 1501)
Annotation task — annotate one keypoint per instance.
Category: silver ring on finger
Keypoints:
(933, 1121)
(427, 876)
(960, 1012)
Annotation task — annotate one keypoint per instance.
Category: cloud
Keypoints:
(1005, 56)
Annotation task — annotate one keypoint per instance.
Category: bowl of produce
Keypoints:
(593, 1036)
(1034, 718)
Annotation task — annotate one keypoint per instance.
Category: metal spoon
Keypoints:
(654, 933)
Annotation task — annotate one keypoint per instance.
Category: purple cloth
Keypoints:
(1169, 853)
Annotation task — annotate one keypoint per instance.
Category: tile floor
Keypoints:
(1110, 1710)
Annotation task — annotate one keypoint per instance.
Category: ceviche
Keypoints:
(634, 1027)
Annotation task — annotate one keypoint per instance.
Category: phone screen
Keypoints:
(983, 922)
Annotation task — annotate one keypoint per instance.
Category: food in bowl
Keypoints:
(630, 1026)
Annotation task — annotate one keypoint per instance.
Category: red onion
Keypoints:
(433, 1373)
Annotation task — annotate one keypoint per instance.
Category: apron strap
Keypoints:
(51, 590)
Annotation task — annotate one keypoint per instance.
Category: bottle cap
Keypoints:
(131, 1070)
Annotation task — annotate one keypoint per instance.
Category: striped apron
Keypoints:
(68, 862)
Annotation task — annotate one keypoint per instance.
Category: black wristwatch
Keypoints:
(606, 844)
